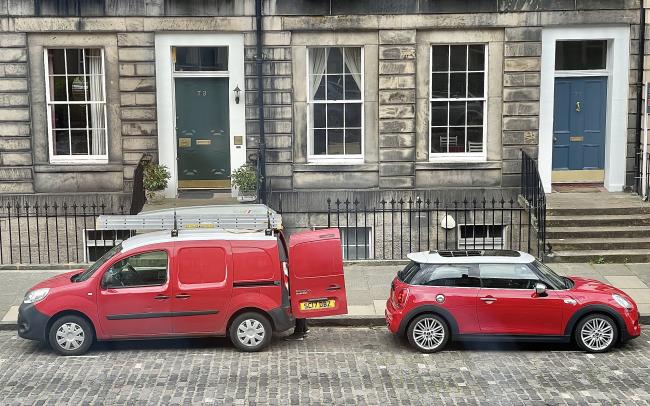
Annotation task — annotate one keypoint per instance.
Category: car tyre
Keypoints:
(71, 335)
(428, 333)
(250, 332)
(596, 333)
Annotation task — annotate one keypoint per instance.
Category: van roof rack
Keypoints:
(250, 217)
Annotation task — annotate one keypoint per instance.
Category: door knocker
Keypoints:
(578, 107)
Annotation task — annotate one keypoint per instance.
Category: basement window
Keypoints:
(481, 236)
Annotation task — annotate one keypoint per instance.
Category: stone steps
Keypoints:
(601, 256)
(600, 220)
(587, 244)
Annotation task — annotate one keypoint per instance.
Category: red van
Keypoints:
(198, 283)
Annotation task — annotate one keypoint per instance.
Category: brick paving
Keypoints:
(354, 366)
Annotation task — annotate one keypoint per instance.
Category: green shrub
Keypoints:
(155, 177)
(244, 178)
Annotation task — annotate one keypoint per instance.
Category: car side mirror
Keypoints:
(540, 289)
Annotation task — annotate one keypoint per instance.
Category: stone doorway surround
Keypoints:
(618, 49)
(165, 96)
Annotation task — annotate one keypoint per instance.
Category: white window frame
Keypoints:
(371, 241)
(460, 156)
(96, 242)
(333, 159)
(480, 245)
(49, 104)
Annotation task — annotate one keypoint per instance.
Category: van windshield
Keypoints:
(101, 261)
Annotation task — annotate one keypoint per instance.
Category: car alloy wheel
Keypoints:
(250, 331)
(597, 334)
(428, 333)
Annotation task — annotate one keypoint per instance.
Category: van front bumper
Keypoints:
(31, 322)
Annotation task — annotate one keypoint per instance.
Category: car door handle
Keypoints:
(182, 296)
(161, 297)
(489, 299)
(333, 287)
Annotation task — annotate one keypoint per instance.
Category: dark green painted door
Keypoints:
(202, 132)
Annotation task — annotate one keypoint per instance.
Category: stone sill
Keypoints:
(322, 167)
(469, 165)
(109, 167)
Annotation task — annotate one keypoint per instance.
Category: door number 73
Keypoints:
(201, 92)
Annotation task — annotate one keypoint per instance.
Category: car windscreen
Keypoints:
(557, 281)
(101, 261)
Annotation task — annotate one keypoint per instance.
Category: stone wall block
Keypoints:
(15, 129)
(137, 84)
(396, 154)
(13, 70)
(14, 100)
(397, 52)
(13, 40)
(520, 123)
(400, 182)
(397, 36)
(522, 64)
(521, 94)
(146, 128)
(13, 55)
(396, 82)
(137, 113)
(397, 96)
(396, 126)
(16, 158)
(521, 109)
(15, 144)
(396, 111)
(396, 67)
(14, 114)
(135, 39)
(523, 49)
(136, 54)
(523, 34)
(396, 169)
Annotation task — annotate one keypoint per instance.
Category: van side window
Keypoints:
(146, 269)
(201, 265)
(457, 275)
(507, 276)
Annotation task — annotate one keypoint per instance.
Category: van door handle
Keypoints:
(182, 296)
(161, 297)
(333, 287)
(489, 299)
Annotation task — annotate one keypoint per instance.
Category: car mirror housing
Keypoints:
(540, 289)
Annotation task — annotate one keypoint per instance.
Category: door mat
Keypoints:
(579, 188)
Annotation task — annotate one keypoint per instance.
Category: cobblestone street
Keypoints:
(332, 366)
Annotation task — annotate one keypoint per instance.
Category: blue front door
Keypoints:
(579, 123)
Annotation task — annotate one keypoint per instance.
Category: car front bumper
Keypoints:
(632, 325)
(31, 323)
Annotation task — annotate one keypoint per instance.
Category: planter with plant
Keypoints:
(155, 181)
(244, 179)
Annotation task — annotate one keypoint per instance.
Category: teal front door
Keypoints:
(202, 133)
(579, 124)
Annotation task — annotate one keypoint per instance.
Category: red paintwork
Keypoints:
(315, 263)
(514, 312)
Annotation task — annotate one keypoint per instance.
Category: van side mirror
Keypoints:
(540, 289)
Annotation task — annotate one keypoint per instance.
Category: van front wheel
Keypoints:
(70, 335)
(250, 332)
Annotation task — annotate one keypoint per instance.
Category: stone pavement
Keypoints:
(368, 286)
(332, 366)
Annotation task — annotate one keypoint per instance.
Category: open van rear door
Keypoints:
(316, 280)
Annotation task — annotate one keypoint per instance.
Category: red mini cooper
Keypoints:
(469, 295)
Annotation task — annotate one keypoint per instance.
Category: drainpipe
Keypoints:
(639, 102)
(261, 159)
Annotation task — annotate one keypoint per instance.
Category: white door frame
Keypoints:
(617, 72)
(165, 89)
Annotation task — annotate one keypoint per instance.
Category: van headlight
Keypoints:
(36, 295)
(622, 301)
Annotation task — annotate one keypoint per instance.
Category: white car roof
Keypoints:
(471, 257)
(157, 237)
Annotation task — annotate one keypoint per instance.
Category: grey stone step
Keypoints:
(598, 232)
(601, 256)
(590, 244)
(598, 220)
(579, 211)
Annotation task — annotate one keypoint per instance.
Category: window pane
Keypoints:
(94, 61)
(438, 139)
(78, 116)
(475, 113)
(438, 113)
(97, 138)
(476, 57)
(61, 142)
(96, 117)
(334, 115)
(335, 61)
(77, 88)
(95, 88)
(445, 275)
(60, 119)
(148, 269)
(352, 60)
(507, 276)
(319, 142)
(320, 91)
(456, 113)
(475, 85)
(458, 58)
(456, 139)
(580, 55)
(79, 142)
(201, 59)
(353, 115)
(439, 85)
(319, 115)
(439, 58)
(334, 87)
(56, 61)
(457, 85)
(474, 139)
(335, 142)
(57, 88)
(352, 91)
(75, 61)
(353, 141)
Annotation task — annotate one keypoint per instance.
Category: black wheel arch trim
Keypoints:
(424, 309)
(597, 308)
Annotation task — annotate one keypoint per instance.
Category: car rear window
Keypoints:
(452, 275)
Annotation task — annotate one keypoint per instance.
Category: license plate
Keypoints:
(318, 304)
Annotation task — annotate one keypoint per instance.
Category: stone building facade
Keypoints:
(512, 70)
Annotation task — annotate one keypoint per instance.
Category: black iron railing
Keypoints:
(45, 233)
(390, 229)
(532, 190)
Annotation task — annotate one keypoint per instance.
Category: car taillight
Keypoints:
(400, 296)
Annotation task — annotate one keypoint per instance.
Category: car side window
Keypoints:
(507, 276)
(457, 275)
(146, 269)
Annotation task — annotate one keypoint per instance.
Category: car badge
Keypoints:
(571, 301)
(440, 298)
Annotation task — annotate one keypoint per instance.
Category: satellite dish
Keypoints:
(448, 222)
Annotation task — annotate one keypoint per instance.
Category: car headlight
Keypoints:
(36, 295)
(622, 301)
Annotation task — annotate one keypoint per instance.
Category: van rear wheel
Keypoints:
(250, 332)
(70, 335)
